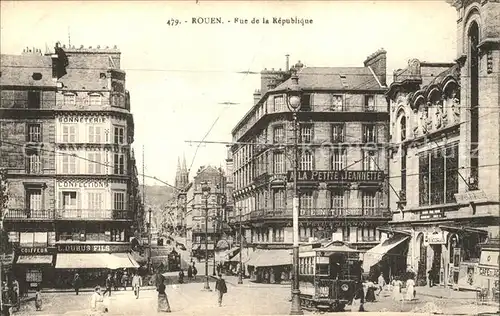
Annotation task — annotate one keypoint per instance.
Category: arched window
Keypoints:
(473, 39)
(402, 127)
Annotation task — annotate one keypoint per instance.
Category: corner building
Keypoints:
(343, 127)
(85, 210)
(445, 160)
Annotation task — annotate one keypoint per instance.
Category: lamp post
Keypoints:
(240, 273)
(205, 189)
(293, 102)
(149, 240)
(215, 241)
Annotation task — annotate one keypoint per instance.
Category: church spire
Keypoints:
(184, 168)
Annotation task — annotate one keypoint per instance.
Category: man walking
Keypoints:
(77, 283)
(221, 288)
(381, 283)
(108, 285)
(136, 284)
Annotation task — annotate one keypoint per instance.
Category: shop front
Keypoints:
(93, 262)
(34, 267)
(270, 266)
(388, 257)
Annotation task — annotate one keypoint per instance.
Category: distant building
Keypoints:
(343, 168)
(66, 131)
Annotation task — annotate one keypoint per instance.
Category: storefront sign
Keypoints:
(435, 238)
(88, 248)
(35, 250)
(82, 119)
(471, 196)
(83, 184)
(337, 175)
(489, 272)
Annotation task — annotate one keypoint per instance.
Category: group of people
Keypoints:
(11, 296)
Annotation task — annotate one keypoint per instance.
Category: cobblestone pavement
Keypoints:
(246, 299)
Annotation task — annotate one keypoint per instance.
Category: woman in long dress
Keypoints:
(163, 305)
(396, 289)
(410, 288)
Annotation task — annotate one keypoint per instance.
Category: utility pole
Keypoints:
(149, 241)
(240, 274)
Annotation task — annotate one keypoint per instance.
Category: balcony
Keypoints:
(316, 213)
(29, 214)
(93, 214)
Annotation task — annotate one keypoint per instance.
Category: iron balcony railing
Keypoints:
(93, 214)
(320, 212)
(29, 214)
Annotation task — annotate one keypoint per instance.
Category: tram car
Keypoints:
(329, 276)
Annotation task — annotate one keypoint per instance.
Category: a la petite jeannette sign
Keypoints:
(92, 248)
(338, 175)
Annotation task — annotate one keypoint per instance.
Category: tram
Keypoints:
(329, 276)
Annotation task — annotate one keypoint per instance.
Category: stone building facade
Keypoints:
(343, 128)
(66, 131)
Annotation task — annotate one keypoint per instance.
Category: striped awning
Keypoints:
(95, 261)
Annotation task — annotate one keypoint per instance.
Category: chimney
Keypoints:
(256, 96)
(377, 62)
(270, 79)
(287, 62)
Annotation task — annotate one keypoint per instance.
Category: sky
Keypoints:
(179, 76)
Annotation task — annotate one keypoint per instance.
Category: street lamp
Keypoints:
(149, 240)
(214, 219)
(205, 189)
(293, 102)
(240, 273)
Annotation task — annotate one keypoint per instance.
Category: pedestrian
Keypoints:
(124, 280)
(380, 283)
(136, 284)
(369, 291)
(108, 285)
(359, 297)
(195, 272)
(221, 288)
(190, 272)
(396, 289)
(410, 289)
(116, 280)
(163, 305)
(181, 276)
(97, 306)
(38, 299)
(77, 283)
(15, 291)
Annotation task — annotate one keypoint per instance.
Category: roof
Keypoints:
(17, 70)
(330, 78)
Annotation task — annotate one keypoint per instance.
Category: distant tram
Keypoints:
(329, 276)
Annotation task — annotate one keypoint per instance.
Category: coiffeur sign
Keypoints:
(90, 248)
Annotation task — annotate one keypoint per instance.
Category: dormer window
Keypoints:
(69, 99)
(95, 99)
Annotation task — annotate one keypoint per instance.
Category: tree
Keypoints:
(5, 246)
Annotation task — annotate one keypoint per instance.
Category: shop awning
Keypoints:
(463, 229)
(225, 255)
(95, 261)
(374, 255)
(245, 256)
(34, 259)
(270, 258)
(222, 244)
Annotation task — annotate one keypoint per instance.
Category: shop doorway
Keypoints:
(437, 273)
(422, 263)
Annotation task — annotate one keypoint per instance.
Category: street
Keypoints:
(246, 299)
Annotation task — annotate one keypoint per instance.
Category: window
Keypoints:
(306, 160)
(119, 164)
(306, 134)
(339, 158)
(402, 128)
(306, 200)
(33, 239)
(278, 198)
(403, 172)
(369, 160)
(69, 99)
(369, 133)
(337, 103)
(369, 202)
(34, 161)
(69, 133)
(95, 99)
(369, 103)
(95, 134)
(68, 164)
(337, 133)
(474, 64)
(337, 201)
(346, 233)
(119, 135)
(368, 234)
(94, 163)
(278, 134)
(95, 200)
(69, 200)
(438, 175)
(119, 201)
(278, 163)
(34, 199)
(117, 235)
(33, 99)
(279, 103)
(305, 102)
(34, 133)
